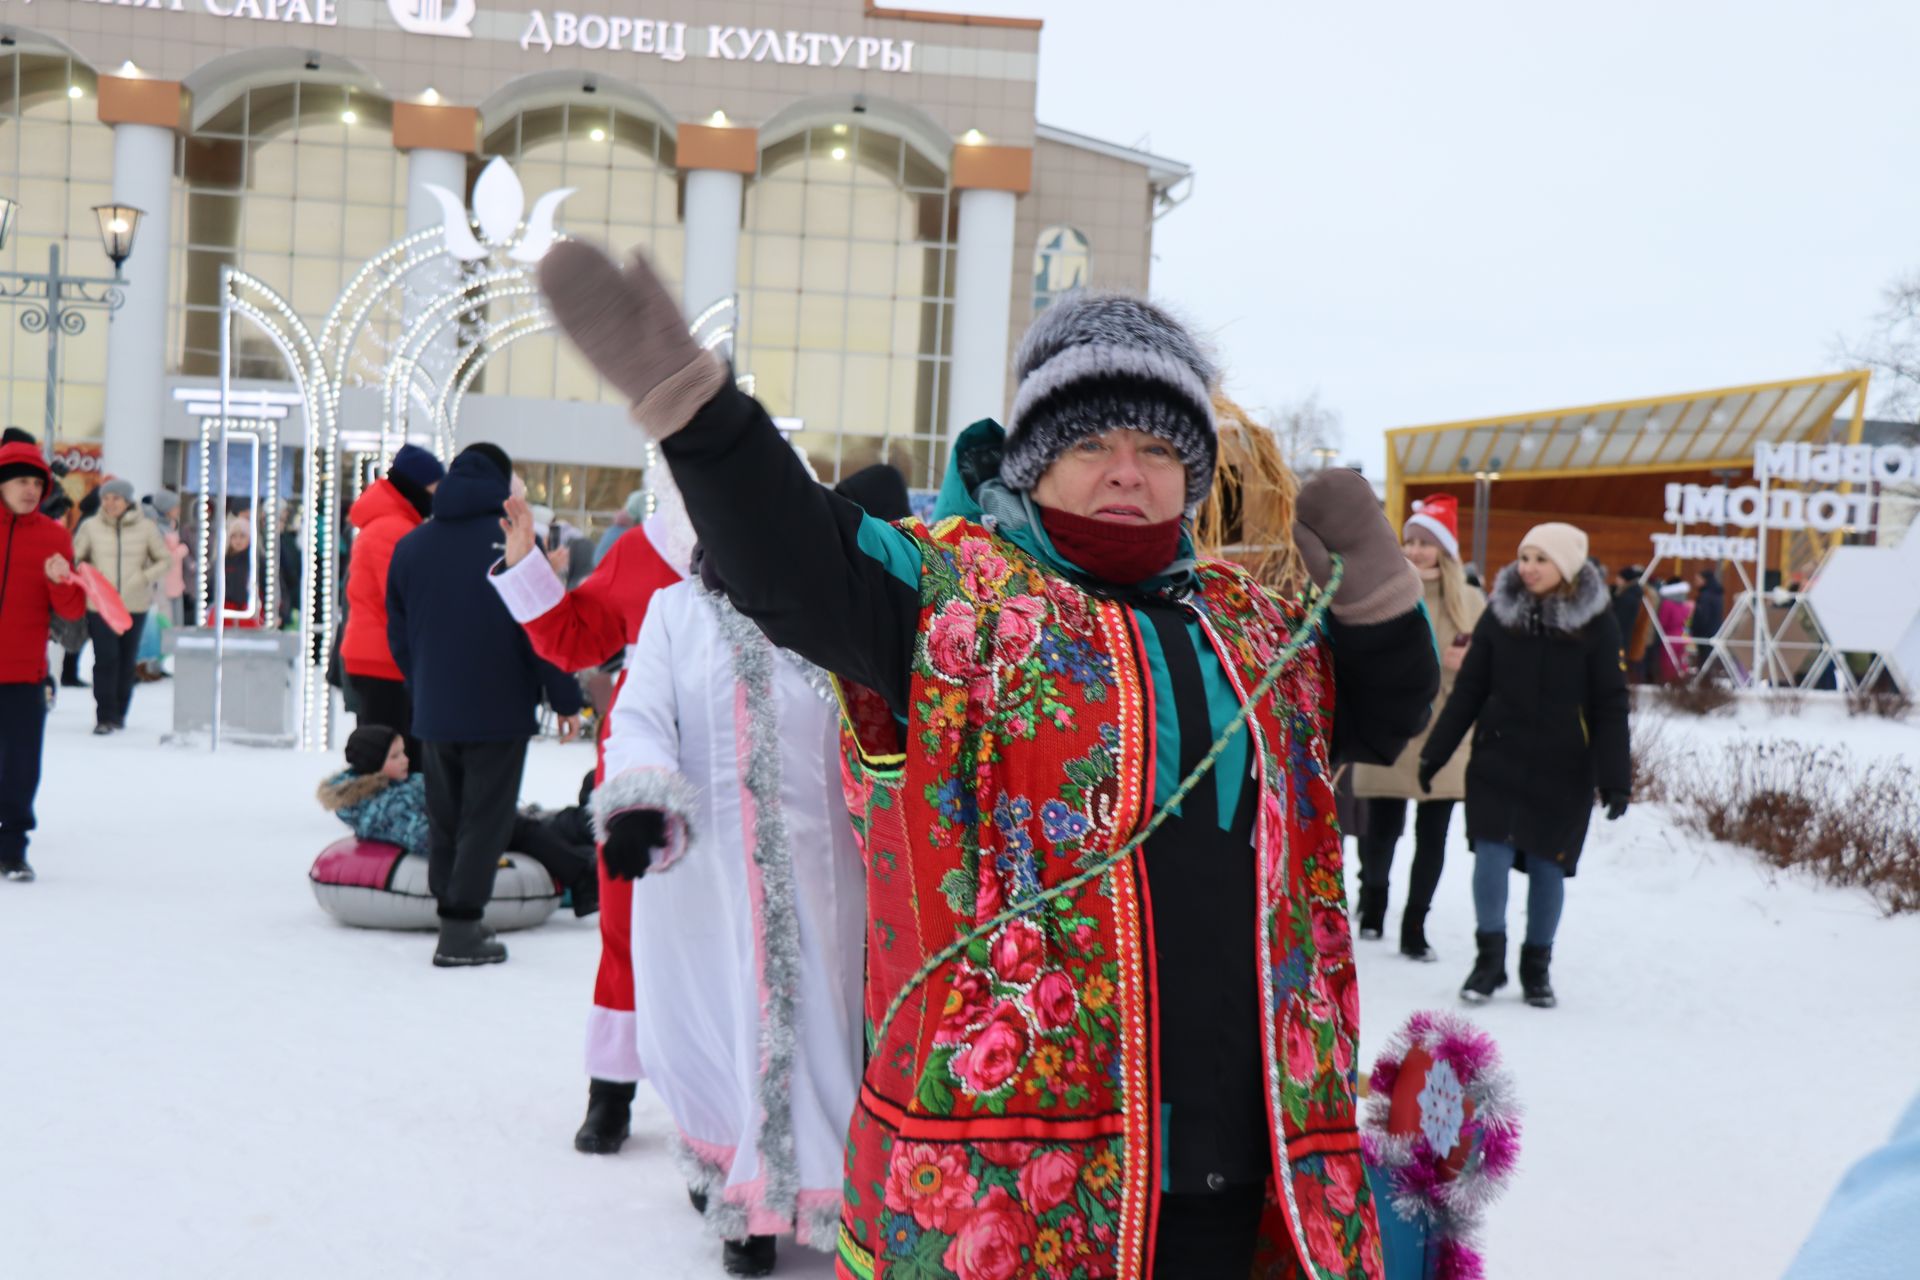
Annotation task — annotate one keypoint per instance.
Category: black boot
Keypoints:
(16, 869)
(466, 942)
(1534, 962)
(609, 1115)
(1373, 911)
(1489, 970)
(1413, 935)
(586, 893)
(750, 1257)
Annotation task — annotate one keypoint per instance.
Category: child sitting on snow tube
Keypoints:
(381, 799)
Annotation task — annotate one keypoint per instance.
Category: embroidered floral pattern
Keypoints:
(1019, 775)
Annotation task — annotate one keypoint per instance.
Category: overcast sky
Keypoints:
(1438, 210)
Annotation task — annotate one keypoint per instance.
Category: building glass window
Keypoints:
(1061, 264)
(625, 198)
(56, 161)
(846, 303)
(297, 184)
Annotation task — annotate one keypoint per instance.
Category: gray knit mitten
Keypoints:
(1337, 514)
(631, 331)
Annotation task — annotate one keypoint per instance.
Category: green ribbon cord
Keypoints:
(1316, 614)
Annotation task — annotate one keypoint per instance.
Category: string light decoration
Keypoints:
(420, 320)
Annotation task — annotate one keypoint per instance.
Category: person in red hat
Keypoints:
(1431, 541)
(36, 580)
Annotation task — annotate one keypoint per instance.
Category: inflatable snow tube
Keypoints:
(371, 885)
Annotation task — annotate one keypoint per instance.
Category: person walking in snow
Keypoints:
(476, 685)
(1431, 540)
(575, 630)
(1633, 606)
(385, 512)
(1675, 612)
(163, 508)
(747, 929)
(1028, 680)
(1544, 690)
(36, 582)
(380, 797)
(127, 549)
(1709, 607)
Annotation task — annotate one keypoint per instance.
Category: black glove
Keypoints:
(1427, 769)
(1616, 802)
(632, 838)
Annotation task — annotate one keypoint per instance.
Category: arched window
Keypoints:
(297, 184)
(56, 161)
(1061, 262)
(846, 278)
(625, 198)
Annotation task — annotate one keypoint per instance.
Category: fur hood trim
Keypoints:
(1565, 612)
(670, 793)
(346, 789)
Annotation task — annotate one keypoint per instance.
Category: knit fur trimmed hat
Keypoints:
(1094, 362)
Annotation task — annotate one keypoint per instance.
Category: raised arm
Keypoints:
(818, 576)
(588, 625)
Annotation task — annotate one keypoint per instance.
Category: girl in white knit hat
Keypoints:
(1544, 689)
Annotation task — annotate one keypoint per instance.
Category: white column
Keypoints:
(982, 302)
(712, 270)
(442, 168)
(137, 333)
(446, 169)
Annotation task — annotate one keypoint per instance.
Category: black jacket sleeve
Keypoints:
(563, 691)
(815, 573)
(1470, 688)
(397, 571)
(1607, 705)
(1384, 679)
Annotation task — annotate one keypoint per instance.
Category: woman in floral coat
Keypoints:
(1152, 1073)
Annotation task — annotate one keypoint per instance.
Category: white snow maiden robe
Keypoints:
(747, 929)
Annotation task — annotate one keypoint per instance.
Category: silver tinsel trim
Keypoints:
(660, 789)
(726, 1221)
(780, 925)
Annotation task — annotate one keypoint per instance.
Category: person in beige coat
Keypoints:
(1431, 542)
(130, 553)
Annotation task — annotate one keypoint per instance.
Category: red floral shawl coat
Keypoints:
(1008, 1122)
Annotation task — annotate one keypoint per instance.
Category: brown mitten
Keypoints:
(631, 331)
(1337, 514)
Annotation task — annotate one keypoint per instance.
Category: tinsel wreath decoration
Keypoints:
(1442, 1125)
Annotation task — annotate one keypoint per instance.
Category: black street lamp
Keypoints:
(56, 304)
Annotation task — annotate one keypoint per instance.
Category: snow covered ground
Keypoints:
(206, 1078)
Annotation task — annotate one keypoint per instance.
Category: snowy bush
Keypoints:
(1811, 807)
(1888, 704)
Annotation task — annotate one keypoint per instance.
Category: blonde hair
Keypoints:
(1247, 516)
(1454, 600)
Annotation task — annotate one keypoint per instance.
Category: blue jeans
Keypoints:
(1546, 892)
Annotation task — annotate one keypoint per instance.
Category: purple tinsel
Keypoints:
(1467, 1052)
(1500, 1148)
(1450, 1202)
(1459, 1261)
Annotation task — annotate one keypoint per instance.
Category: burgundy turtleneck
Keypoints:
(1122, 554)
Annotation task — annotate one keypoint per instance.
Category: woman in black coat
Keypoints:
(1544, 688)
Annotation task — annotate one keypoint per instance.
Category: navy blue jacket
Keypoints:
(470, 669)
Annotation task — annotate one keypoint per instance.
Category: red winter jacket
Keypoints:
(26, 596)
(383, 516)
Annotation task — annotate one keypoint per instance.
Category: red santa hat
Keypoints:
(1439, 518)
